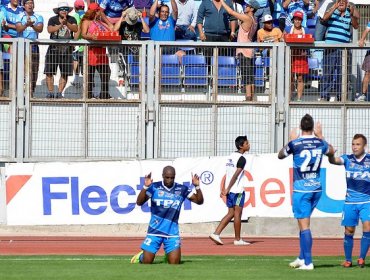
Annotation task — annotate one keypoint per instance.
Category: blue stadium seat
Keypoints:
(227, 71)
(195, 70)
(311, 22)
(314, 68)
(170, 70)
(261, 64)
(133, 69)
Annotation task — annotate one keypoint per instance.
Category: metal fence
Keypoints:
(175, 99)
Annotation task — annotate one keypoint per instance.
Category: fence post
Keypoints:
(282, 73)
(21, 91)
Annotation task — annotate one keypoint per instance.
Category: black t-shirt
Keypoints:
(130, 32)
(63, 33)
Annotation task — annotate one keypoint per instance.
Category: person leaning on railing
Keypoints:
(98, 60)
(365, 66)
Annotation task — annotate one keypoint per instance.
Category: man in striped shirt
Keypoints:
(340, 17)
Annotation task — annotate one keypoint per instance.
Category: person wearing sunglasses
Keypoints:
(60, 27)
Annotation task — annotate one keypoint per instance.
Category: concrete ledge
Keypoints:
(254, 227)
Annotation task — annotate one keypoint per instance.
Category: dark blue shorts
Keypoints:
(235, 199)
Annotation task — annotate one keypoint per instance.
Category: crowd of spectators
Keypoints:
(170, 20)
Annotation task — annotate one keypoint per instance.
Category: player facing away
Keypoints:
(308, 151)
(234, 192)
(166, 198)
(357, 202)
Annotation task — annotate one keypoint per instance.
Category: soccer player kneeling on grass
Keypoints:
(357, 203)
(166, 200)
(307, 151)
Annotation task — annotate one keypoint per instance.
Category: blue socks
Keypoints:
(306, 246)
(348, 247)
(301, 255)
(365, 242)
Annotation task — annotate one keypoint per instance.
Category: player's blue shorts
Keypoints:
(304, 203)
(353, 212)
(235, 199)
(152, 243)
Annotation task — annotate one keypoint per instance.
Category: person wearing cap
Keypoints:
(292, 6)
(60, 27)
(113, 8)
(233, 191)
(269, 33)
(299, 61)
(131, 24)
(29, 25)
(162, 27)
(247, 29)
(186, 20)
(77, 55)
(341, 17)
(91, 24)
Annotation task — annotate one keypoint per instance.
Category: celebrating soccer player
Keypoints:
(307, 151)
(357, 203)
(166, 200)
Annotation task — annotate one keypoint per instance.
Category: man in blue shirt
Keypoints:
(166, 198)
(308, 151)
(357, 203)
(29, 25)
(340, 17)
(162, 27)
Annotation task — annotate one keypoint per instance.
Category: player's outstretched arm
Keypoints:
(318, 130)
(333, 159)
(142, 197)
(198, 196)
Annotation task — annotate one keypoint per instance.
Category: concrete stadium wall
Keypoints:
(255, 227)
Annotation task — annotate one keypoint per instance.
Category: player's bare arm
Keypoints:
(318, 130)
(142, 197)
(198, 196)
(281, 154)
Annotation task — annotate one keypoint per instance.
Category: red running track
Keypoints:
(191, 246)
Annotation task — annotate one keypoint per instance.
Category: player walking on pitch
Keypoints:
(307, 151)
(357, 202)
(234, 192)
(166, 199)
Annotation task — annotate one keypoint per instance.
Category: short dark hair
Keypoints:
(163, 5)
(239, 141)
(358, 135)
(307, 123)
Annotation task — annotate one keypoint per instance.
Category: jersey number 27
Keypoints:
(308, 155)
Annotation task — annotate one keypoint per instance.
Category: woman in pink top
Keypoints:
(98, 60)
(247, 29)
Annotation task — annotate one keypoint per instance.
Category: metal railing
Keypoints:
(174, 99)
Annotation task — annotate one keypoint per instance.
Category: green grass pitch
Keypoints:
(192, 267)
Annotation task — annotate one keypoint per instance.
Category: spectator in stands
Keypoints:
(129, 26)
(97, 56)
(113, 9)
(186, 21)
(268, 33)
(321, 26)
(78, 53)
(292, 6)
(162, 27)
(61, 27)
(340, 17)
(365, 66)
(29, 25)
(10, 12)
(214, 23)
(248, 27)
(299, 61)
(264, 9)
